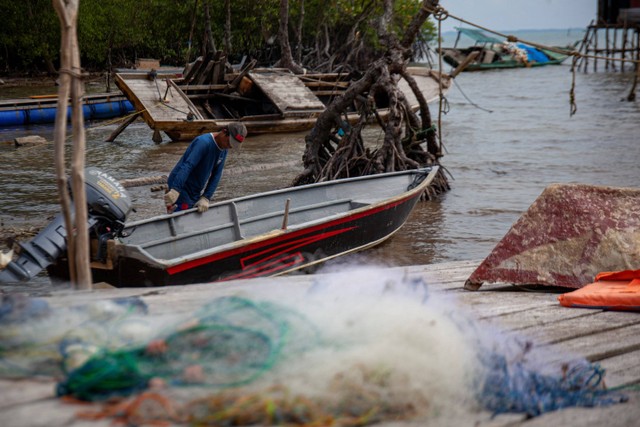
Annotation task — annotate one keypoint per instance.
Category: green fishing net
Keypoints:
(228, 343)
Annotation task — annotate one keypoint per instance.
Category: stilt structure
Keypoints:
(614, 37)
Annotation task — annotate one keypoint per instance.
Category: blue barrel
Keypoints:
(106, 110)
(41, 115)
(99, 110)
(12, 118)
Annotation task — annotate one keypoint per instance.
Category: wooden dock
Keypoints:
(611, 339)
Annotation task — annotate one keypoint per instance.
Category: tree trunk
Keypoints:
(322, 161)
(209, 46)
(286, 57)
(299, 33)
(71, 84)
(227, 26)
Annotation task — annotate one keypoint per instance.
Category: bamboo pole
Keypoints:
(607, 47)
(71, 84)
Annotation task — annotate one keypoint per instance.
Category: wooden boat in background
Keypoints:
(492, 53)
(42, 109)
(265, 234)
(265, 100)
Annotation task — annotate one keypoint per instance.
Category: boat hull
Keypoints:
(172, 118)
(274, 251)
(454, 57)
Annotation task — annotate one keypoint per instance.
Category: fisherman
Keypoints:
(195, 177)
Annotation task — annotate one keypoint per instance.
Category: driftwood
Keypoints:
(122, 127)
(334, 150)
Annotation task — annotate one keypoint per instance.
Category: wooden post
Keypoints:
(607, 47)
(470, 58)
(285, 219)
(615, 48)
(71, 83)
(623, 54)
(120, 128)
(632, 92)
(595, 51)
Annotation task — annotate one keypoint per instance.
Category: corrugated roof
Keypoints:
(478, 35)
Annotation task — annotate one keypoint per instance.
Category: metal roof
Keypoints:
(478, 35)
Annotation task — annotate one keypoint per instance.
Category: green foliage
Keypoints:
(117, 32)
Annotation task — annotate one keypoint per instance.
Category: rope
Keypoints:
(72, 73)
(162, 101)
(470, 101)
(440, 16)
(572, 92)
(440, 13)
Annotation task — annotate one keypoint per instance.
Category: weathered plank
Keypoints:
(287, 92)
(622, 370)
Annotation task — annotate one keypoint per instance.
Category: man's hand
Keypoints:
(171, 197)
(202, 204)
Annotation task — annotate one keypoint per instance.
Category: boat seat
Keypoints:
(237, 229)
(295, 210)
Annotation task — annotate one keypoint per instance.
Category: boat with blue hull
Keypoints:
(42, 110)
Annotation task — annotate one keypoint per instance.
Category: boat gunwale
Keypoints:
(239, 243)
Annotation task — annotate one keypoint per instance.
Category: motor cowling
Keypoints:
(108, 204)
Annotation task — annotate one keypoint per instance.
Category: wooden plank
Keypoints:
(20, 391)
(152, 98)
(203, 77)
(584, 325)
(195, 88)
(287, 92)
(622, 370)
(193, 69)
(607, 344)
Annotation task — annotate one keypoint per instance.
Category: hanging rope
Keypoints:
(572, 93)
(468, 99)
(440, 15)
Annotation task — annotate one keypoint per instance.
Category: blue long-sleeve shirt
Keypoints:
(198, 171)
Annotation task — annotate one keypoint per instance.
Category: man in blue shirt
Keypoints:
(195, 177)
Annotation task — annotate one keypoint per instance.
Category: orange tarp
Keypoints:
(618, 290)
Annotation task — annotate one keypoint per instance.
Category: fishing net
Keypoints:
(228, 343)
(514, 386)
(39, 340)
(371, 346)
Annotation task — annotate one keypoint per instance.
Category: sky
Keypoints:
(502, 15)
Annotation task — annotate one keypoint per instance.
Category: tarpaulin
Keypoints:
(569, 234)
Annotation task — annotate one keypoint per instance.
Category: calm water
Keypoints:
(500, 161)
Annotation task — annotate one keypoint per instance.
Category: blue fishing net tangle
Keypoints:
(512, 386)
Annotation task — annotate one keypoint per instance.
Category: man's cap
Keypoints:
(237, 133)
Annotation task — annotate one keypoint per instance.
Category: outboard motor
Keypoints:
(108, 206)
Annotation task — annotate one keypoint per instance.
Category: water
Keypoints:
(500, 161)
